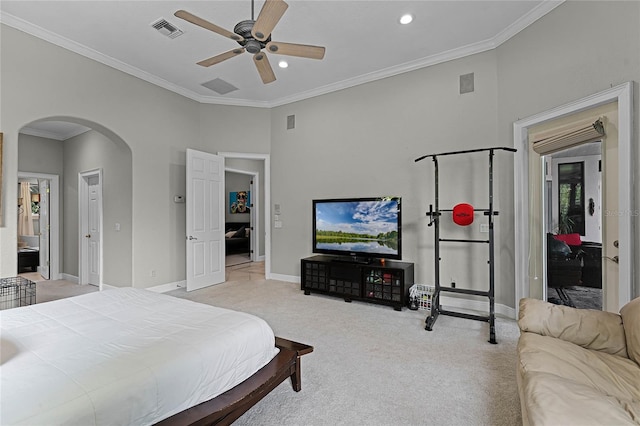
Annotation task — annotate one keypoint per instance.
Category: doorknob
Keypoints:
(191, 238)
(616, 244)
(88, 236)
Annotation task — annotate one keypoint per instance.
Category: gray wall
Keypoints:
(41, 155)
(92, 151)
(356, 142)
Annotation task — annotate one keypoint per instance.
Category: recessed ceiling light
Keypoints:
(406, 19)
(283, 64)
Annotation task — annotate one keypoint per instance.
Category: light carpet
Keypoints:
(375, 366)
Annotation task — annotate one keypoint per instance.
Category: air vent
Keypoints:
(165, 28)
(220, 86)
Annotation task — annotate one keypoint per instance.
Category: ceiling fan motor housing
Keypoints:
(253, 46)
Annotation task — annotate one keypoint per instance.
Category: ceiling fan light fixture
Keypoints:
(406, 19)
(283, 64)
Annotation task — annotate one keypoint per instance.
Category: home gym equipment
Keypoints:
(462, 214)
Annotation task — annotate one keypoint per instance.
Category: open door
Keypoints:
(205, 221)
(45, 227)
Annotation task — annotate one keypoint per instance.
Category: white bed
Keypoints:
(124, 356)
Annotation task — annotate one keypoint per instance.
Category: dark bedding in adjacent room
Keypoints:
(237, 237)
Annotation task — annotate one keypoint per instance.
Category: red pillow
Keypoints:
(570, 239)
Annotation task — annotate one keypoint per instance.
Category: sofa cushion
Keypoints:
(608, 374)
(553, 400)
(630, 314)
(598, 330)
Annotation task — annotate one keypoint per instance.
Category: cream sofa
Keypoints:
(577, 366)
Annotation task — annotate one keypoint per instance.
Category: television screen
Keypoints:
(358, 227)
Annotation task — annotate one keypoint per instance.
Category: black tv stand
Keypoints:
(381, 282)
(353, 259)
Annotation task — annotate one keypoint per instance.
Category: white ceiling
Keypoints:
(364, 40)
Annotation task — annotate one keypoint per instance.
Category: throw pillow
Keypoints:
(240, 233)
(571, 239)
(229, 234)
(630, 314)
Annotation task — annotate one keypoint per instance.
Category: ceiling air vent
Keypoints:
(166, 28)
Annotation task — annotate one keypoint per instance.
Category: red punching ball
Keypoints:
(463, 214)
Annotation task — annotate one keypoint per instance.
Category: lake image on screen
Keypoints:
(358, 226)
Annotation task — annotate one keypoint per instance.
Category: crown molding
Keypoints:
(522, 23)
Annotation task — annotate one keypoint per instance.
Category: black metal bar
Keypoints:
(465, 315)
(467, 151)
(450, 240)
(475, 210)
(492, 313)
(464, 291)
(436, 236)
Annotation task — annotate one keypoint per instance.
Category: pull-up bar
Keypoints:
(436, 308)
(467, 151)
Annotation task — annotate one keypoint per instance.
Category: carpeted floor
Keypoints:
(376, 366)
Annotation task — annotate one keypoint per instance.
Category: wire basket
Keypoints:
(422, 294)
(16, 292)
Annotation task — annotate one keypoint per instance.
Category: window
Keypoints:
(571, 198)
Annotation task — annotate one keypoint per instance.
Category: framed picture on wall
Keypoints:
(239, 202)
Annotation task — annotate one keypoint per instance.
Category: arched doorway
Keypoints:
(69, 147)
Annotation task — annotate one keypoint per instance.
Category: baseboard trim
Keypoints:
(69, 277)
(285, 278)
(164, 288)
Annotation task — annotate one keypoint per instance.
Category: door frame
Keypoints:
(54, 220)
(623, 95)
(267, 201)
(83, 193)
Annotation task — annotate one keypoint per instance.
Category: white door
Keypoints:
(93, 232)
(45, 228)
(205, 220)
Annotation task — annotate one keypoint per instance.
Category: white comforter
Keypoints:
(125, 357)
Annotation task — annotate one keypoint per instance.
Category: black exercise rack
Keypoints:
(434, 214)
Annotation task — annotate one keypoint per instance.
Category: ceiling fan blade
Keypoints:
(293, 49)
(264, 68)
(183, 14)
(219, 58)
(270, 14)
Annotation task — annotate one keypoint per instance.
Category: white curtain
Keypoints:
(25, 218)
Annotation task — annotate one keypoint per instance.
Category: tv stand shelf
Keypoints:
(375, 282)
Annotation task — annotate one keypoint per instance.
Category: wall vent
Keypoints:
(466, 83)
(165, 28)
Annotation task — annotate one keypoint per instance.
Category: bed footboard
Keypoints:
(229, 406)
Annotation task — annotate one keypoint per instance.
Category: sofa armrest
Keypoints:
(591, 329)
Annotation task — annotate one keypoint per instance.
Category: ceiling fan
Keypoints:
(254, 36)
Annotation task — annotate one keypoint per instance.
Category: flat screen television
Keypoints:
(361, 228)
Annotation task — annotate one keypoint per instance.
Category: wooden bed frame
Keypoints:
(229, 406)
